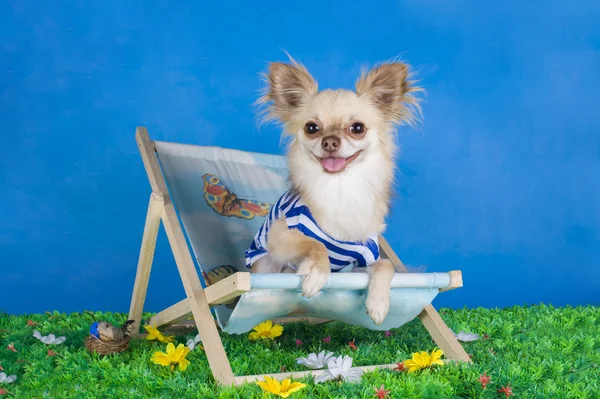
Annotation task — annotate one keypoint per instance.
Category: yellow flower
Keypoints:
(154, 334)
(173, 357)
(285, 389)
(266, 330)
(423, 360)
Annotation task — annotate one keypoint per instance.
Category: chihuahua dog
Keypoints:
(341, 159)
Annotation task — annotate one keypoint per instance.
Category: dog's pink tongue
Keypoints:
(333, 164)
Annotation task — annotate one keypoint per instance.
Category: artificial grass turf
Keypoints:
(543, 352)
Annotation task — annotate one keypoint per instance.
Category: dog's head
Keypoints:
(336, 130)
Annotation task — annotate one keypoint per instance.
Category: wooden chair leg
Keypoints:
(430, 318)
(442, 335)
(140, 287)
(215, 352)
(213, 346)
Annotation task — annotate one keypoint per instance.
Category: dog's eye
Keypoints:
(311, 128)
(357, 128)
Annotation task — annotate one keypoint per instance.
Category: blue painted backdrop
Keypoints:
(502, 180)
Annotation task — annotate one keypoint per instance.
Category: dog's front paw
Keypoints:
(378, 305)
(316, 272)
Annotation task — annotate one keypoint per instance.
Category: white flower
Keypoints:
(192, 342)
(466, 336)
(49, 339)
(315, 361)
(7, 379)
(340, 368)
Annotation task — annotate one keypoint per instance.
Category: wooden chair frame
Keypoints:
(199, 300)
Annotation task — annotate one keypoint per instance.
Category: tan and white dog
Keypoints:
(341, 160)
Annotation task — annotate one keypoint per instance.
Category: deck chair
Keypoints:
(222, 196)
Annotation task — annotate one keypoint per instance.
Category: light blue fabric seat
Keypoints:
(205, 181)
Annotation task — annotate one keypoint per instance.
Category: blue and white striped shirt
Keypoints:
(298, 216)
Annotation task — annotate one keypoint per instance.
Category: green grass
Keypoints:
(543, 352)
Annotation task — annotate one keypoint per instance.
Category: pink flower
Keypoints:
(327, 339)
(507, 390)
(388, 334)
(399, 367)
(298, 342)
(484, 379)
(382, 393)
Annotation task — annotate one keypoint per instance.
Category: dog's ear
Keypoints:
(389, 89)
(288, 87)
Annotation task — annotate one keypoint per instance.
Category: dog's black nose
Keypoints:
(331, 143)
